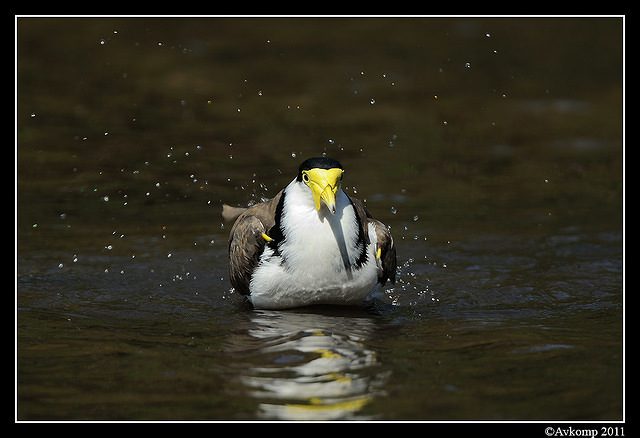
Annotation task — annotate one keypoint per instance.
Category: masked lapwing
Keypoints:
(309, 244)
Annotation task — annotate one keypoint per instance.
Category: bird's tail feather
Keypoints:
(230, 213)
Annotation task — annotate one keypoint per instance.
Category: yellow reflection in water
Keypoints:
(312, 366)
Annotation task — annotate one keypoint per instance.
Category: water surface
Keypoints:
(491, 147)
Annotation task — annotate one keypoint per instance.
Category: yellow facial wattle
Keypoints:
(324, 184)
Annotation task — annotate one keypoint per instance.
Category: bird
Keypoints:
(309, 244)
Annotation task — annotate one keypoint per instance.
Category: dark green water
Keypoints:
(492, 147)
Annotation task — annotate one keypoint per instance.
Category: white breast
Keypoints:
(318, 253)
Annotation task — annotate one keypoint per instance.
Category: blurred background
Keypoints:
(492, 147)
(468, 116)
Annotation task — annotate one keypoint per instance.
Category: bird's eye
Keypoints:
(305, 177)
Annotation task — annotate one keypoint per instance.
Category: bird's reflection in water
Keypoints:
(311, 366)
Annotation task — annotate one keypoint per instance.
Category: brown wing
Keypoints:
(385, 244)
(387, 252)
(246, 241)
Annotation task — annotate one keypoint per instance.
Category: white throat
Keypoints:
(318, 258)
(317, 236)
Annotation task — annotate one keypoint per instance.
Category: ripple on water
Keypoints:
(308, 365)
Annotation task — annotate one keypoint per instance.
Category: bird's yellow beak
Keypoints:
(324, 184)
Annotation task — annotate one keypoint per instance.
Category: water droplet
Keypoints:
(372, 101)
(415, 218)
(393, 210)
(467, 65)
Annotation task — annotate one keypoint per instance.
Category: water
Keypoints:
(488, 146)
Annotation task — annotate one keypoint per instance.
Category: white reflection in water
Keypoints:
(311, 366)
